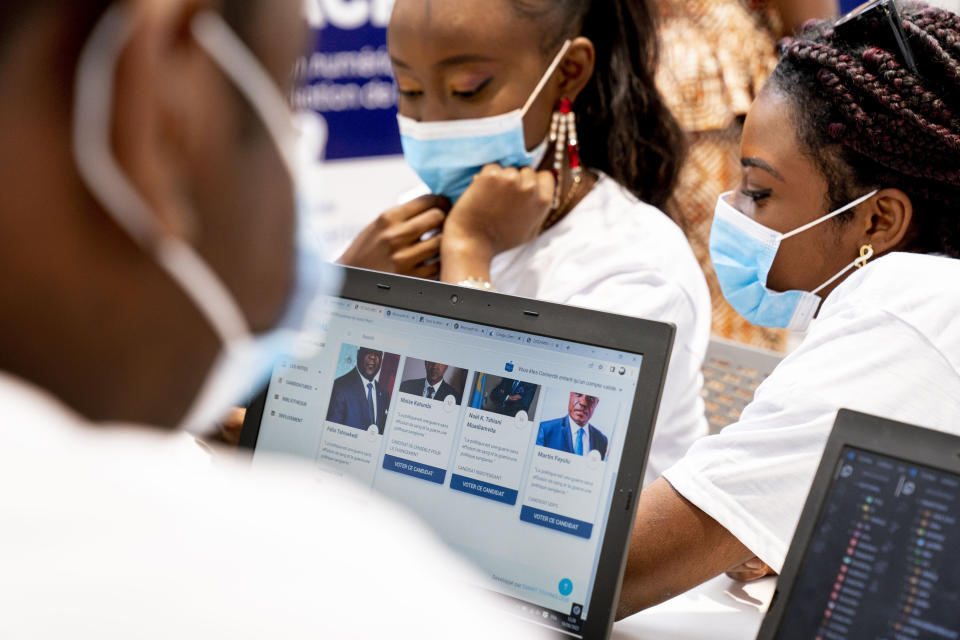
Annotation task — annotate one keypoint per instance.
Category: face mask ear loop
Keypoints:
(862, 259)
(93, 111)
(109, 185)
(240, 65)
(546, 77)
(832, 214)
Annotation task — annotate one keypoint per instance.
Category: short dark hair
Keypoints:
(868, 121)
(83, 15)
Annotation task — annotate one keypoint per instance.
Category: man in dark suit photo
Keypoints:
(432, 386)
(510, 397)
(357, 399)
(573, 433)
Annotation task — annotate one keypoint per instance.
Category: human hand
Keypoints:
(514, 397)
(392, 244)
(231, 426)
(503, 208)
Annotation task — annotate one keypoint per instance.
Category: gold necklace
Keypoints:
(561, 211)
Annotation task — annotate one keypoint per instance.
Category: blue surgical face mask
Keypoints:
(245, 359)
(447, 154)
(743, 251)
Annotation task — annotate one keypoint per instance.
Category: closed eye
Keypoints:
(473, 92)
(757, 195)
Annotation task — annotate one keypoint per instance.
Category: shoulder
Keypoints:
(636, 235)
(344, 379)
(550, 425)
(608, 247)
(637, 220)
(918, 292)
(901, 280)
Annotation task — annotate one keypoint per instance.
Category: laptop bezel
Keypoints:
(653, 340)
(934, 449)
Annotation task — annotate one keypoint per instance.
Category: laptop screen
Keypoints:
(507, 443)
(883, 560)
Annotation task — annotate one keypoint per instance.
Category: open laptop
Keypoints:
(458, 403)
(877, 551)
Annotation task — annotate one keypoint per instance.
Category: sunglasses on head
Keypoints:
(877, 23)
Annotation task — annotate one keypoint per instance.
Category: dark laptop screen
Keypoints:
(884, 561)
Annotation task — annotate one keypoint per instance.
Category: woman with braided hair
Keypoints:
(848, 209)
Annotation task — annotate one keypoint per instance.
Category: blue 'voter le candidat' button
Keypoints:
(415, 469)
(483, 489)
(549, 520)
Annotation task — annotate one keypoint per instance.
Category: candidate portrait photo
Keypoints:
(503, 395)
(360, 397)
(433, 380)
(574, 432)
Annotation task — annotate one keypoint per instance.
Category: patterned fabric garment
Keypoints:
(715, 56)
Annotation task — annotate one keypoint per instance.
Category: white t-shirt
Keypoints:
(124, 533)
(616, 254)
(886, 342)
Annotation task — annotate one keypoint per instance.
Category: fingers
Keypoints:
(414, 228)
(527, 178)
(540, 182)
(232, 426)
(417, 206)
(546, 185)
(411, 257)
(491, 170)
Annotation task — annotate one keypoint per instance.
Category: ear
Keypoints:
(157, 88)
(577, 68)
(888, 221)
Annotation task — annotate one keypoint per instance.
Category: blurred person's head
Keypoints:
(88, 312)
(845, 116)
(435, 371)
(463, 59)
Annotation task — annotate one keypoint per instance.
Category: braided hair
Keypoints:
(868, 121)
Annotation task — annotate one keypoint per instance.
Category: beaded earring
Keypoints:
(563, 134)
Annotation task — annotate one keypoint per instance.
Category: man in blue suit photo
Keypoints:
(510, 397)
(432, 386)
(573, 433)
(357, 399)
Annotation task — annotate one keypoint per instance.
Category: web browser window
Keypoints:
(508, 443)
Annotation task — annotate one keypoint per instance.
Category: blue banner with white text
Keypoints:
(347, 79)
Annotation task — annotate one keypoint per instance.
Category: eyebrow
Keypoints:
(449, 62)
(761, 164)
